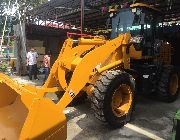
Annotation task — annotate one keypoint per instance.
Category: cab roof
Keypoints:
(145, 6)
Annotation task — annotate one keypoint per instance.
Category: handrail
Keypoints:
(69, 35)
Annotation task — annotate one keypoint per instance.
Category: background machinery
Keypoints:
(103, 69)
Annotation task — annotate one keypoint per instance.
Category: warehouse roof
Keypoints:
(69, 11)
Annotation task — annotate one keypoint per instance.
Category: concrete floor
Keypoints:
(151, 120)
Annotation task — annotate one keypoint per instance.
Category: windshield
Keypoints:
(127, 21)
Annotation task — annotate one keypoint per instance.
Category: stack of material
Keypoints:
(41, 53)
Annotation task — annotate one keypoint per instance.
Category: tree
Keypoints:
(17, 8)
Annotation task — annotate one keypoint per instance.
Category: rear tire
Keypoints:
(168, 86)
(113, 99)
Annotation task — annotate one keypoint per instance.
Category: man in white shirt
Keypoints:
(32, 63)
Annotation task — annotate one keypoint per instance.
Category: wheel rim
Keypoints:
(121, 100)
(174, 84)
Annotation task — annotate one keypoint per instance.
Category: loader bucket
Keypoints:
(23, 115)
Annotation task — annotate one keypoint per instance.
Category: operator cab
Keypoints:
(142, 21)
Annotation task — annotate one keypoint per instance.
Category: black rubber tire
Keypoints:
(163, 84)
(103, 92)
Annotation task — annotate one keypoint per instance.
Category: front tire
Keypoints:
(113, 99)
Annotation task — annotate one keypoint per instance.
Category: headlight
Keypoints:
(136, 39)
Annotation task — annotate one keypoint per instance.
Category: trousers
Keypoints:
(32, 71)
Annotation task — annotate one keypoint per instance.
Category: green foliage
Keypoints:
(3, 66)
(11, 43)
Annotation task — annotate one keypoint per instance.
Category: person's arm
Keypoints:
(49, 61)
(37, 55)
(27, 60)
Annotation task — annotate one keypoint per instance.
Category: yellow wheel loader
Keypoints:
(26, 113)
(103, 69)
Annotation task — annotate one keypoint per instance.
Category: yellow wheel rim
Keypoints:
(121, 100)
(174, 84)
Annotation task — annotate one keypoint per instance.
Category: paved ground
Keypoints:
(151, 120)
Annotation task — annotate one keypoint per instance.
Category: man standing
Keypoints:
(32, 63)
